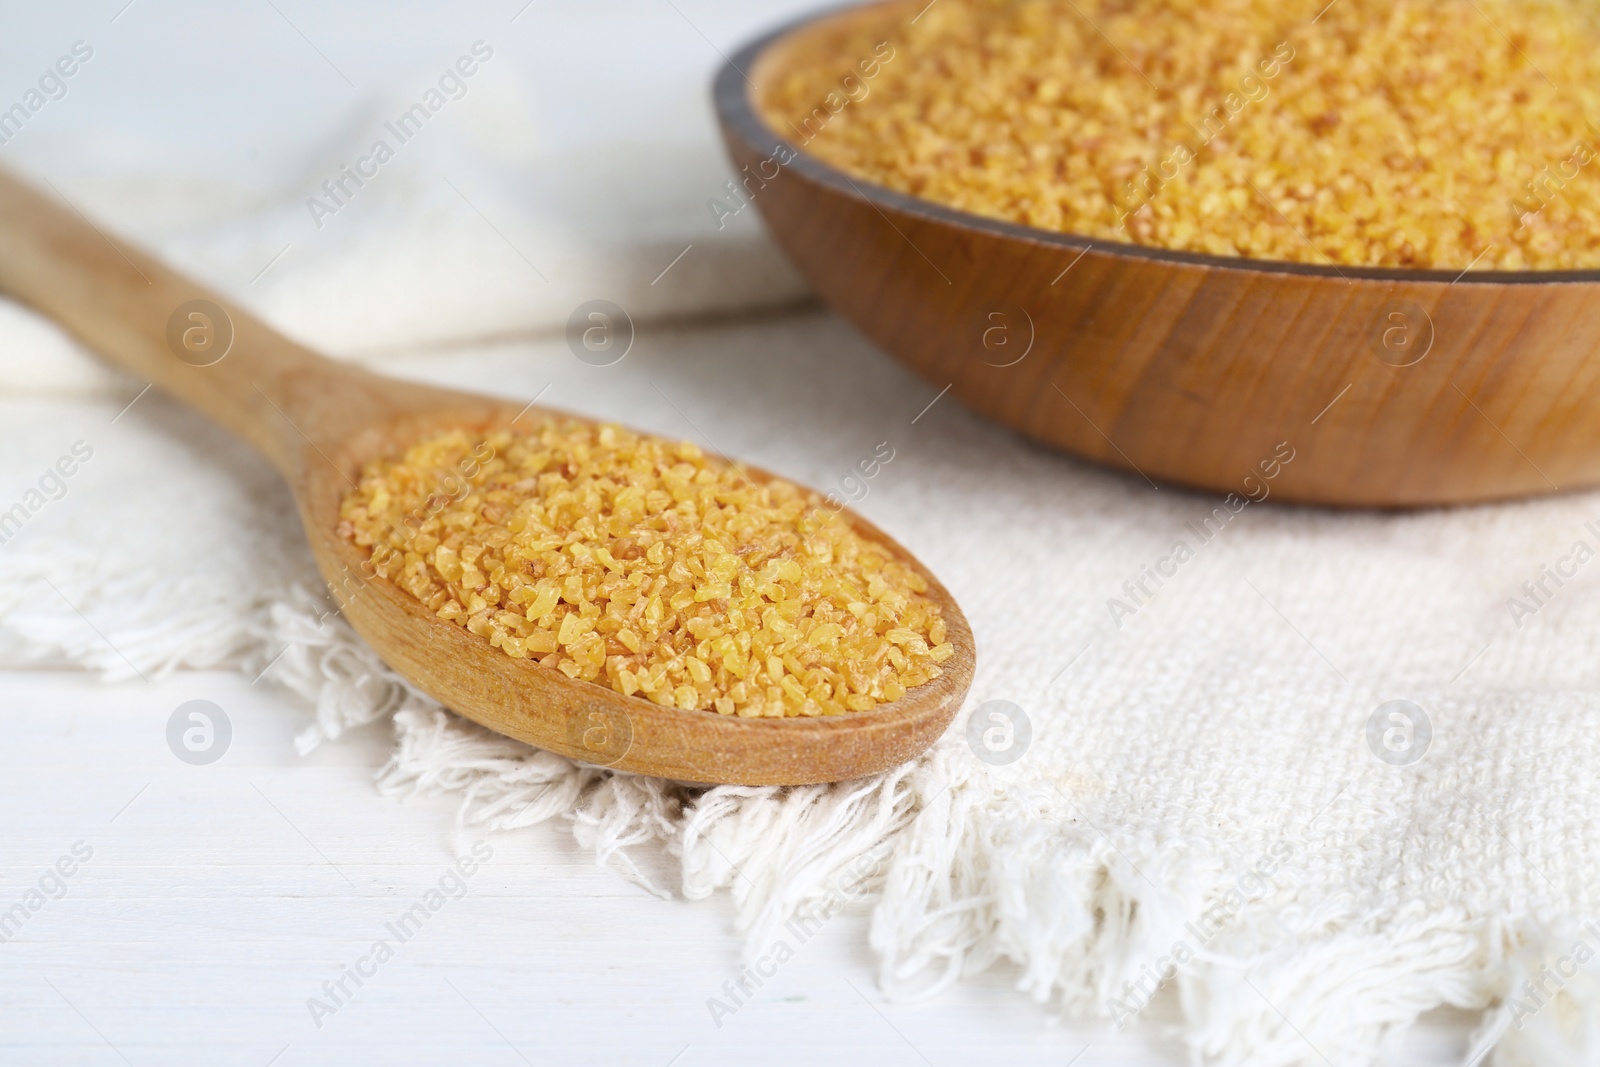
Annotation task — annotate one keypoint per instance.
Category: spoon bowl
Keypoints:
(320, 422)
(1388, 387)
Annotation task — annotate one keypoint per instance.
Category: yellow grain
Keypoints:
(1394, 133)
(644, 566)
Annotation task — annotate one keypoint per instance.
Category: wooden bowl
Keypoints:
(1387, 387)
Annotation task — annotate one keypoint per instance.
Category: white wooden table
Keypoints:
(218, 899)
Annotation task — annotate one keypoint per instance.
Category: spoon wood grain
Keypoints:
(318, 421)
(1392, 387)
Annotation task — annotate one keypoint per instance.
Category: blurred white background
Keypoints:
(577, 164)
(238, 92)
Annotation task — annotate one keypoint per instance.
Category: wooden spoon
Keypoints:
(1389, 387)
(319, 421)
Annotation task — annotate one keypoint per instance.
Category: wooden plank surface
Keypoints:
(219, 898)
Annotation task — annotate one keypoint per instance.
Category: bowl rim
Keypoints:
(737, 113)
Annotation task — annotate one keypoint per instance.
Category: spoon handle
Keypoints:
(194, 343)
(320, 421)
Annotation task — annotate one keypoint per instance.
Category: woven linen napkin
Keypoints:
(1217, 799)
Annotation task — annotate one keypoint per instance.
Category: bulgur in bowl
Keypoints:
(1153, 295)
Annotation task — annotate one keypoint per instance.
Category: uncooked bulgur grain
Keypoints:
(1395, 133)
(647, 567)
